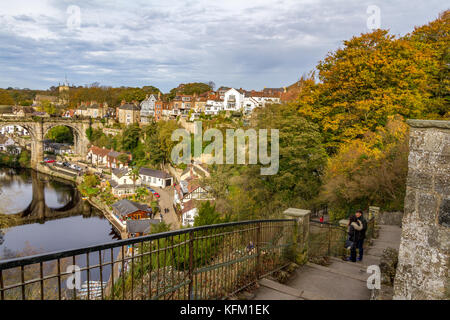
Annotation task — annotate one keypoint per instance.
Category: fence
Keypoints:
(327, 239)
(209, 262)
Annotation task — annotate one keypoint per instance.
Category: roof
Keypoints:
(140, 226)
(99, 151)
(120, 172)
(188, 206)
(114, 154)
(125, 207)
(129, 106)
(154, 173)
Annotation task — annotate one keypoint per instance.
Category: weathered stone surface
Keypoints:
(424, 254)
(419, 179)
(391, 218)
(427, 207)
(444, 213)
(388, 265)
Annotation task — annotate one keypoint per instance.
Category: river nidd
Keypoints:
(48, 215)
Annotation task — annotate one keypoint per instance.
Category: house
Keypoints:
(155, 178)
(95, 110)
(195, 171)
(233, 100)
(147, 113)
(22, 111)
(128, 113)
(188, 214)
(190, 189)
(213, 106)
(8, 145)
(130, 210)
(182, 103)
(14, 129)
(123, 183)
(69, 113)
(57, 148)
(98, 156)
(112, 159)
(137, 228)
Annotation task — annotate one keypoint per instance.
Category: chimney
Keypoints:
(159, 95)
(122, 102)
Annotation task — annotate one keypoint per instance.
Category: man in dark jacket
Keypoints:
(361, 234)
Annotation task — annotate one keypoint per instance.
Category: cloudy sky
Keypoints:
(239, 43)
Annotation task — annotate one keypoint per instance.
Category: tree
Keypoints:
(24, 159)
(130, 137)
(123, 158)
(60, 134)
(207, 215)
(47, 107)
(371, 170)
(5, 98)
(372, 77)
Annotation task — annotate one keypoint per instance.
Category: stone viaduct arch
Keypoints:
(38, 127)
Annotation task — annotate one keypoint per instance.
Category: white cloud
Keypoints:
(240, 43)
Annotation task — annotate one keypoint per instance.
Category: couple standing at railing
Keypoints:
(357, 227)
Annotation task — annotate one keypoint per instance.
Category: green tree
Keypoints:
(60, 134)
(207, 215)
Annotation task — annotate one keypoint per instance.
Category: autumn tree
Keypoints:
(372, 77)
(370, 170)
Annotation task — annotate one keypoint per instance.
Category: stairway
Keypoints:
(341, 280)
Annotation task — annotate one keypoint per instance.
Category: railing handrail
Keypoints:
(23, 261)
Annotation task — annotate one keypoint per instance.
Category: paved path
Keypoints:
(341, 280)
(166, 201)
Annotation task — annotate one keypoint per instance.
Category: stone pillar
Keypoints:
(424, 255)
(37, 145)
(302, 217)
(374, 212)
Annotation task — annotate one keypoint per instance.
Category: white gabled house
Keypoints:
(188, 214)
(155, 178)
(233, 100)
(122, 183)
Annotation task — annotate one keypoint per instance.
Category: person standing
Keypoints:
(361, 234)
(354, 226)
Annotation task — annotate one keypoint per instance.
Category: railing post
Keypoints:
(302, 218)
(329, 239)
(258, 252)
(191, 264)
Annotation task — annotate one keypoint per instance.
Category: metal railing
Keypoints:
(208, 262)
(327, 239)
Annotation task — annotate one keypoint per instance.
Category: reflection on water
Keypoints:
(51, 215)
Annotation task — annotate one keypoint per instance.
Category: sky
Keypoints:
(247, 44)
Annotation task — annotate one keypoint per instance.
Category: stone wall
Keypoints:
(424, 255)
(391, 218)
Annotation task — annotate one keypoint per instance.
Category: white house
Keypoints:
(233, 100)
(213, 107)
(97, 156)
(6, 142)
(188, 214)
(123, 183)
(190, 189)
(147, 112)
(155, 178)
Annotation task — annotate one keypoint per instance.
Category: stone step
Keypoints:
(329, 283)
(286, 290)
(347, 273)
